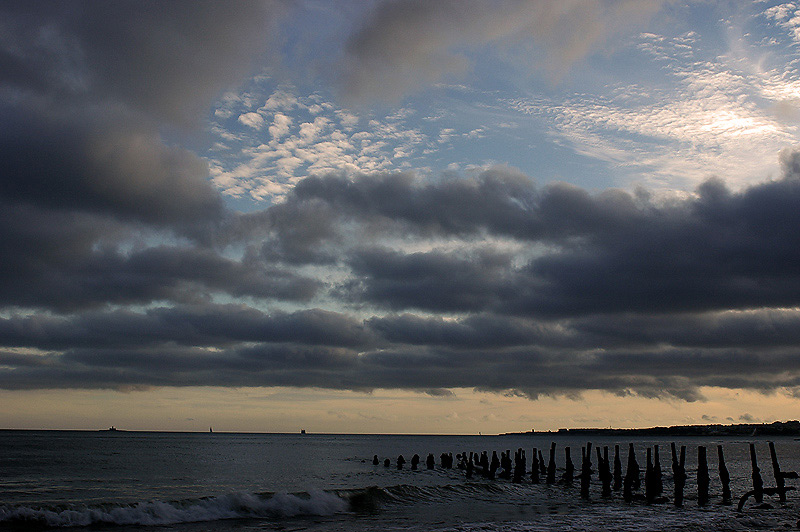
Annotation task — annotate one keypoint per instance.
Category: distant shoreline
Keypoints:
(778, 428)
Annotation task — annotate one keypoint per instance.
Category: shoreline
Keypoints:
(777, 428)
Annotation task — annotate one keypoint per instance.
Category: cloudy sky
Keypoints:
(408, 216)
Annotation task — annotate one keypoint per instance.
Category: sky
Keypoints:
(399, 216)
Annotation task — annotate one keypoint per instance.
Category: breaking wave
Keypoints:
(240, 506)
(231, 506)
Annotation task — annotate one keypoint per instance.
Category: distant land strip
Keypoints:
(778, 428)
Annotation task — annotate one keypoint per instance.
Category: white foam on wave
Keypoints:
(231, 506)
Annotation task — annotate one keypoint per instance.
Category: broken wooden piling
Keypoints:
(534, 467)
(617, 469)
(586, 470)
(678, 474)
(649, 492)
(724, 477)
(551, 466)
(780, 476)
(702, 476)
(658, 480)
(569, 468)
(604, 471)
(758, 482)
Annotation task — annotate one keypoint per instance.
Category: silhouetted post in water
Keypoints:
(535, 467)
(617, 469)
(679, 474)
(519, 467)
(414, 462)
(631, 481)
(494, 465)
(586, 470)
(484, 463)
(470, 466)
(604, 471)
(542, 466)
(758, 483)
(759, 490)
(702, 476)
(505, 464)
(387, 463)
(658, 477)
(780, 476)
(551, 466)
(724, 477)
(400, 462)
(569, 467)
(375, 460)
(648, 478)
(636, 474)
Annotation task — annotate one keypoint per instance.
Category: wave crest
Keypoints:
(230, 506)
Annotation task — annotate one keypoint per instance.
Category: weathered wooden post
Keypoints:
(649, 494)
(780, 481)
(604, 471)
(780, 476)
(534, 467)
(759, 490)
(658, 480)
(586, 470)
(569, 468)
(617, 469)
(634, 469)
(758, 482)
(631, 481)
(679, 474)
(551, 465)
(724, 477)
(702, 476)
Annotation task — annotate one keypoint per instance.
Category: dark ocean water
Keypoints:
(125, 481)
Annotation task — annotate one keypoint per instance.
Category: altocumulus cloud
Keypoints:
(122, 267)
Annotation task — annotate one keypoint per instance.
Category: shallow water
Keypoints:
(203, 482)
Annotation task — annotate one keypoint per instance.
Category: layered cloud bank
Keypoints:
(386, 282)
(122, 266)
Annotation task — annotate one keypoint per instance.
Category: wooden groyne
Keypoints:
(611, 476)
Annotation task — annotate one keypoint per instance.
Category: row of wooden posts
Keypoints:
(612, 479)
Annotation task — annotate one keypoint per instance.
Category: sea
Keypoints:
(191, 482)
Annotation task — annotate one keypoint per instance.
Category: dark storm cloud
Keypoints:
(606, 291)
(610, 252)
(97, 277)
(100, 164)
(671, 372)
(199, 325)
(89, 181)
(432, 280)
(170, 59)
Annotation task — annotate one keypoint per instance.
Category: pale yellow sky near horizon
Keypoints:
(380, 412)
